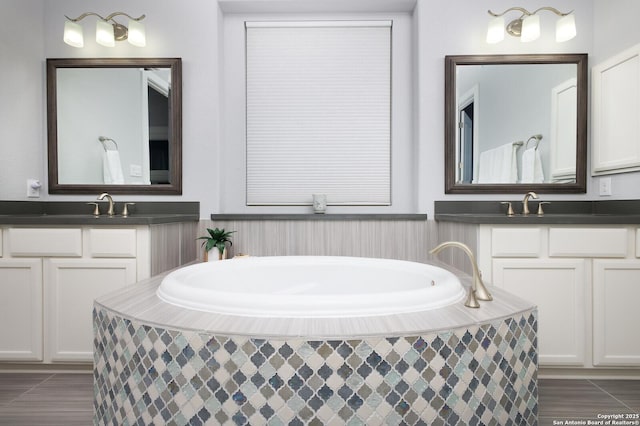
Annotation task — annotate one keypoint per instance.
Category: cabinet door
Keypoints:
(71, 285)
(616, 113)
(21, 308)
(558, 288)
(616, 292)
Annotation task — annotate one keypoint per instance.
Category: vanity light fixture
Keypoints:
(527, 26)
(108, 30)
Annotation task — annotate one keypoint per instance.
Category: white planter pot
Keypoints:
(214, 255)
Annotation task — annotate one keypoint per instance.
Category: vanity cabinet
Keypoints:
(49, 277)
(70, 287)
(585, 281)
(616, 294)
(21, 307)
(557, 287)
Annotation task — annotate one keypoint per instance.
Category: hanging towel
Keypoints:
(111, 167)
(499, 165)
(532, 167)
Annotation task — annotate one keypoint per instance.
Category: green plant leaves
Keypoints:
(216, 238)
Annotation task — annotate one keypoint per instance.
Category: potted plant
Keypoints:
(218, 239)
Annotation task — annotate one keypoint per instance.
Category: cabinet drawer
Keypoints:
(59, 242)
(516, 242)
(587, 242)
(112, 242)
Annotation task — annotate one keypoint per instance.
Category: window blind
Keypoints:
(318, 112)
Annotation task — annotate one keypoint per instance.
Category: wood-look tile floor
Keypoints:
(67, 399)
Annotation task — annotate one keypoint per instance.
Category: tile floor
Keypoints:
(66, 399)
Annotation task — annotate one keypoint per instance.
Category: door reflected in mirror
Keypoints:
(515, 123)
(114, 125)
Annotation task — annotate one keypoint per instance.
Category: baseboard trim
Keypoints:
(627, 373)
(11, 367)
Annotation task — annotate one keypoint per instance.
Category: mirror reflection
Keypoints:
(114, 125)
(516, 121)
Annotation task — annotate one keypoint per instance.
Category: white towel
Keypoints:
(111, 167)
(532, 167)
(498, 165)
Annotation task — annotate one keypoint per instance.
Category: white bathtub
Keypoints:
(311, 287)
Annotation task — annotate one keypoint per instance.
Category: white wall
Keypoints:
(22, 97)
(232, 193)
(463, 33)
(173, 30)
(192, 30)
(615, 29)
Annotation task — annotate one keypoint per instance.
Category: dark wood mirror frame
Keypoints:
(175, 145)
(450, 105)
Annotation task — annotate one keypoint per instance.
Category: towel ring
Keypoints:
(538, 138)
(103, 140)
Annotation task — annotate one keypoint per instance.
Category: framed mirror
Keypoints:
(515, 123)
(114, 125)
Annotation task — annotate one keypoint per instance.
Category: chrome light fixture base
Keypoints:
(514, 28)
(106, 36)
(527, 26)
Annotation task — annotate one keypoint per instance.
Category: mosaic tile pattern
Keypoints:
(480, 375)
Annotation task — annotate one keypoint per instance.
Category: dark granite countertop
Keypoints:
(78, 213)
(614, 212)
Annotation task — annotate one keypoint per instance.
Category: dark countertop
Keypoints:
(78, 213)
(614, 212)
(86, 219)
(326, 216)
(547, 219)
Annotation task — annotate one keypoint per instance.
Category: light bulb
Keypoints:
(565, 28)
(136, 35)
(530, 28)
(104, 34)
(495, 32)
(73, 34)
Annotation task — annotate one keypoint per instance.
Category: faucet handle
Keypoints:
(509, 208)
(125, 210)
(96, 209)
(540, 211)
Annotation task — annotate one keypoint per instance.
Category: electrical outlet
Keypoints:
(33, 188)
(605, 186)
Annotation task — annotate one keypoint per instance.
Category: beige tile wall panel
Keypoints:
(391, 239)
(451, 231)
(165, 247)
(45, 242)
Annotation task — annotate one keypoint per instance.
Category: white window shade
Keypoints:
(318, 112)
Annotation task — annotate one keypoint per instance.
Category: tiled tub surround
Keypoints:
(157, 363)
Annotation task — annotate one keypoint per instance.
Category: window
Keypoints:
(318, 112)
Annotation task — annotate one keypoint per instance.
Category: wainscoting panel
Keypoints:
(390, 239)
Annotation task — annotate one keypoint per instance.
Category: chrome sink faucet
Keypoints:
(111, 210)
(477, 291)
(525, 202)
